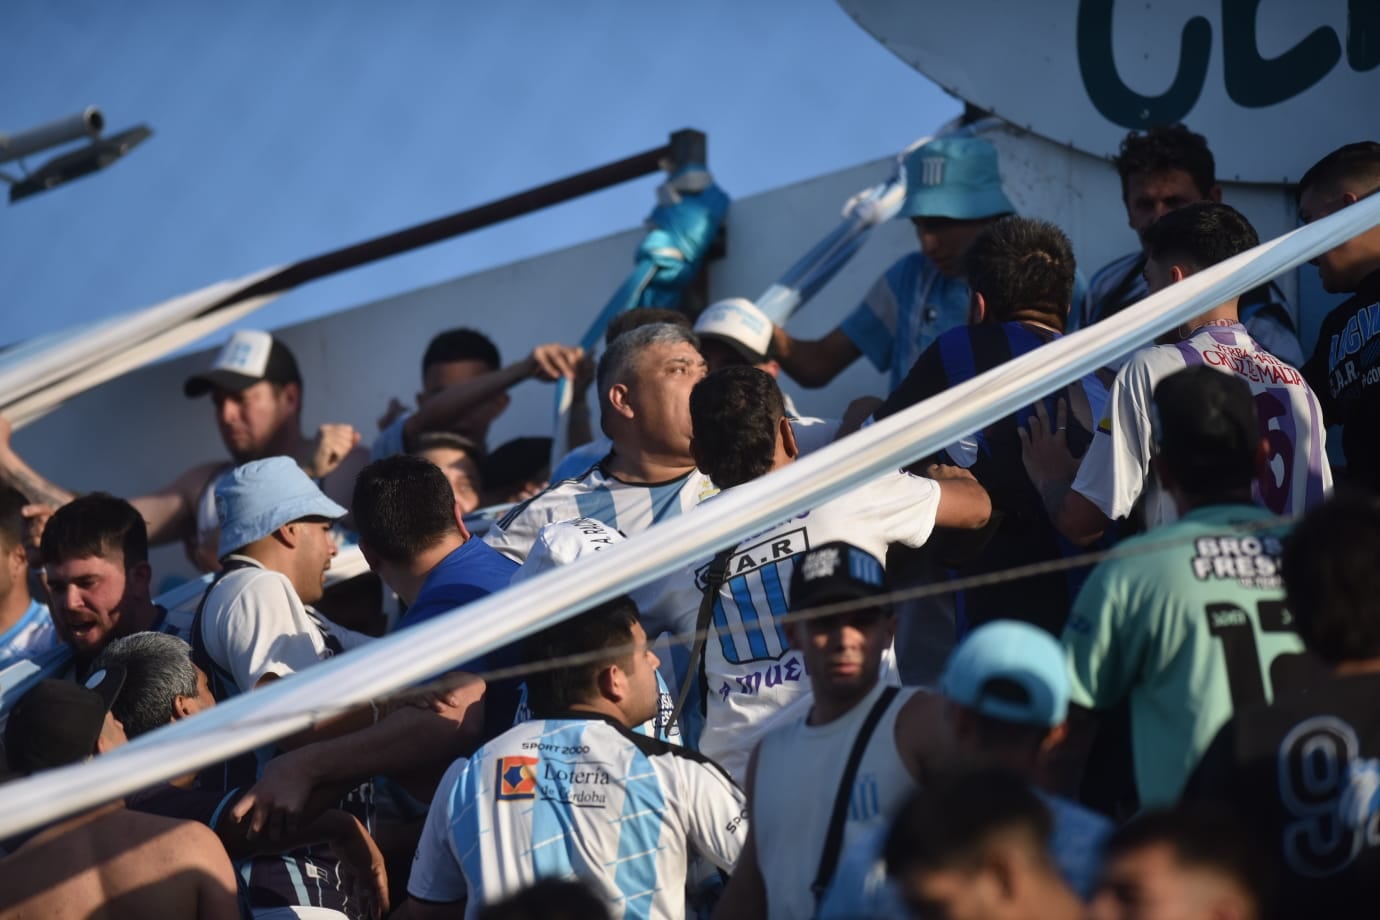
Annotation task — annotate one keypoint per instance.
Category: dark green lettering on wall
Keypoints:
(1251, 81)
(1116, 101)
(1256, 83)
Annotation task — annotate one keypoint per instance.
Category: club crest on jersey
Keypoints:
(750, 558)
(517, 778)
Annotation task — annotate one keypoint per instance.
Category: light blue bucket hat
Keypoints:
(954, 177)
(257, 498)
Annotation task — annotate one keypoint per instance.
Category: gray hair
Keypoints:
(620, 359)
(158, 669)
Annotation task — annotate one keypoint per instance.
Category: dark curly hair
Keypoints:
(735, 412)
(1164, 148)
(1020, 264)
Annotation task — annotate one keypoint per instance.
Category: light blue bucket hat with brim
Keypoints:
(257, 498)
(955, 177)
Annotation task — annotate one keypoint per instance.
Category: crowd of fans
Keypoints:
(1149, 696)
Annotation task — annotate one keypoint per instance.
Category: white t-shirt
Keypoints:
(254, 624)
(1116, 468)
(799, 768)
(577, 797)
(753, 678)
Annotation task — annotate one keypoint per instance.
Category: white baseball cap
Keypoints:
(738, 324)
(564, 542)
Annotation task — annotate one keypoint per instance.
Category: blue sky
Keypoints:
(286, 129)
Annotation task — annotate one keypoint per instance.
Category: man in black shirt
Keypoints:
(1345, 368)
(1021, 272)
(1304, 771)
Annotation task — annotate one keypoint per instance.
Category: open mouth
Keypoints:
(82, 631)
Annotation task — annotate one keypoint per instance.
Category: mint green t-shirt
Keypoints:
(1189, 624)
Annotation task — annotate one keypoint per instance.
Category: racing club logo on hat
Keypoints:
(517, 778)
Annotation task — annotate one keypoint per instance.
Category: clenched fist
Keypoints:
(333, 443)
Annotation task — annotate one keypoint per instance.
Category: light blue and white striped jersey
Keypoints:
(577, 797)
(904, 311)
(33, 636)
(626, 507)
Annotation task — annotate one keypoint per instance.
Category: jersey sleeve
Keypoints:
(901, 506)
(1103, 641)
(514, 535)
(391, 440)
(873, 323)
(436, 875)
(716, 814)
(263, 630)
(1113, 472)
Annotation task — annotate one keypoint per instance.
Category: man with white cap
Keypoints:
(953, 191)
(256, 388)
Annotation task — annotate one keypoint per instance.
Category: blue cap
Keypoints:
(1010, 671)
(257, 498)
(954, 177)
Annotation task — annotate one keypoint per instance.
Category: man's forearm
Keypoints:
(406, 740)
(36, 488)
(449, 405)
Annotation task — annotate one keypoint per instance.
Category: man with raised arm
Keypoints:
(752, 674)
(953, 191)
(1114, 476)
(644, 380)
(256, 390)
(465, 388)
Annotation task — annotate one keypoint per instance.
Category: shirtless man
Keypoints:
(108, 862)
(257, 392)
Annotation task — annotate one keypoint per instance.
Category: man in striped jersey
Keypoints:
(574, 793)
(26, 629)
(644, 382)
(1115, 473)
(953, 191)
(751, 674)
